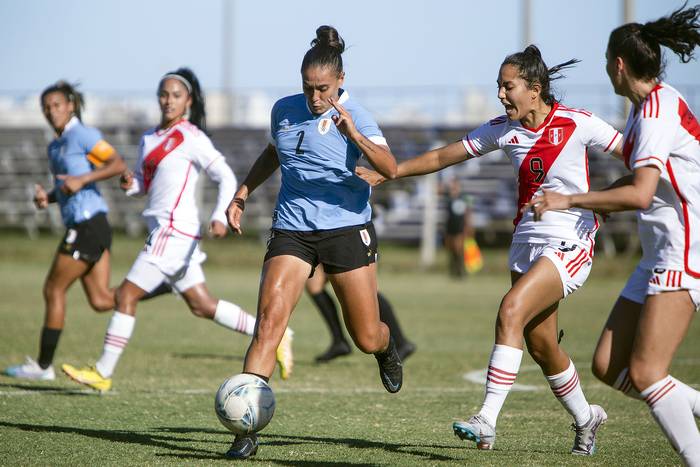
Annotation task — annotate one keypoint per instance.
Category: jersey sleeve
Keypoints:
(204, 152)
(600, 134)
(274, 125)
(97, 150)
(653, 141)
(484, 139)
(367, 125)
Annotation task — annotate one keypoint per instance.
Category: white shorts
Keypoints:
(572, 260)
(645, 282)
(168, 256)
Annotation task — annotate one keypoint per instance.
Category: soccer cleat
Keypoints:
(584, 442)
(337, 349)
(390, 368)
(243, 446)
(30, 369)
(284, 355)
(88, 376)
(477, 429)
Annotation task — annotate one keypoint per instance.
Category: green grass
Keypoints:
(161, 408)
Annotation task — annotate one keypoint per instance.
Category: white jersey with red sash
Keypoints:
(167, 172)
(663, 133)
(553, 157)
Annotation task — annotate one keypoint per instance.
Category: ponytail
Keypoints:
(534, 71)
(640, 44)
(70, 92)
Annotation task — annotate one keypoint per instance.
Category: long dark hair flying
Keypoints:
(639, 45)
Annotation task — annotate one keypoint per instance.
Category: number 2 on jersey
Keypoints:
(536, 168)
(301, 138)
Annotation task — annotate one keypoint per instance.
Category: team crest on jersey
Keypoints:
(556, 135)
(364, 235)
(324, 125)
(169, 144)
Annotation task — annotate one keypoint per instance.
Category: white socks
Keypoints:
(624, 384)
(567, 389)
(118, 333)
(503, 368)
(672, 410)
(231, 316)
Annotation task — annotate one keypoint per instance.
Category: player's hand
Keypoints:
(548, 201)
(41, 198)
(343, 121)
(370, 176)
(217, 229)
(126, 180)
(234, 212)
(71, 184)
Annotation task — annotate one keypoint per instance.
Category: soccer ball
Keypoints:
(244, 404)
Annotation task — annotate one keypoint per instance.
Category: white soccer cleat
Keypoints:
(30, 369)
(284, 355)
(477, 429)
(584, 442)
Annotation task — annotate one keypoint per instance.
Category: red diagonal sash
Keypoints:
(150, 163)
(547, 152)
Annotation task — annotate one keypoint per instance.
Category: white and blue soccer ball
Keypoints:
(244, 404)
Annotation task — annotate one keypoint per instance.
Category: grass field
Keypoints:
(161, 408)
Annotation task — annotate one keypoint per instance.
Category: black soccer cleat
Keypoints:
(243, 447)
(337, 349)
(390, 368)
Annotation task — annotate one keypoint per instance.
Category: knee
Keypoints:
(369, 342)
(204, 308)
(270, 320)
(51, 290)
(509, 318)
(643, 375)
(125, 299)
(101, 303)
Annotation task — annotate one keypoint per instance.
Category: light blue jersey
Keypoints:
(68, 155)
(320, 190)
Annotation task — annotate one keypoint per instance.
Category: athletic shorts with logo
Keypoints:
(338, 250)
(168, 255)
(572, 260)
(645, 282)
(87, 240)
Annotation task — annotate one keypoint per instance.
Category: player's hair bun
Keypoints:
(327, 36)
(533, 50)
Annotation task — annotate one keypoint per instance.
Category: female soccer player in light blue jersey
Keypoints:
(78, 157)
(322, 214)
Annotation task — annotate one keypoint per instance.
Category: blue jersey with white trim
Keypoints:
(319, 190)
(68, 155)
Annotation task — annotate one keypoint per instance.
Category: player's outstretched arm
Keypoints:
(264, 166)
(433, 160)
(627, 195)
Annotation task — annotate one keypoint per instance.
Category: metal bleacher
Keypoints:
(489, 181)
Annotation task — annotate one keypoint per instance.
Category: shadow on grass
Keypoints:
(174, 444)
(73, 391)
(207, 356)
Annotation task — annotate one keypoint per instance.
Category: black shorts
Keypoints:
(88, 239)
(338, 250)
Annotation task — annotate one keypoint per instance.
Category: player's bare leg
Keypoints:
(281, 286)
(95, 283)
(357, 292)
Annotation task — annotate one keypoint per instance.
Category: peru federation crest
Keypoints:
(324, 125)
(556, 135)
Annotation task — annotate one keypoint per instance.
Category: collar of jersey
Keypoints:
(71, 123)
(344, 96)
(546, 121)
(161, 132)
